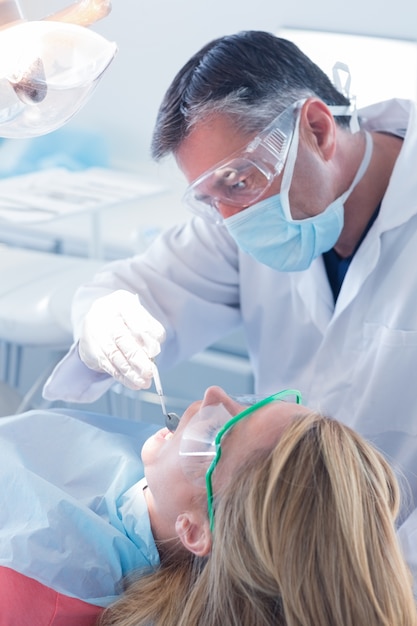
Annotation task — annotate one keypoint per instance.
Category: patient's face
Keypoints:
(170, 490)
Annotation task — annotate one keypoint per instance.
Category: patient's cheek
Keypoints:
(149, 449)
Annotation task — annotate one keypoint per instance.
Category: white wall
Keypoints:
(155, 38)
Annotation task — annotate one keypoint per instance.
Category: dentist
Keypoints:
(305, 236)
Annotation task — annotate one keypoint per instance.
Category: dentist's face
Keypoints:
(208, 144)
(214, 140)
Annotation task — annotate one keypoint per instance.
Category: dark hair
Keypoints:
(251, 76)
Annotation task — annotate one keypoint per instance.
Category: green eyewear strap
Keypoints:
(251, 409)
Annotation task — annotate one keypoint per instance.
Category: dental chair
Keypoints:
(35, 302)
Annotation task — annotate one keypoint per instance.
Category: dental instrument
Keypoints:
(171, 419)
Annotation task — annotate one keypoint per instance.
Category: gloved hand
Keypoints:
(120, 337)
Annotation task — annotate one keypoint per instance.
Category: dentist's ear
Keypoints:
(317, 125)
(193, 530)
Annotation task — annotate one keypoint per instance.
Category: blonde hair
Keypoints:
(304, 536)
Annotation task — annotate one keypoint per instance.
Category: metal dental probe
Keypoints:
(171, 419)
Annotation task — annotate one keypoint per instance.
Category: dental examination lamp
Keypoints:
(50, 67)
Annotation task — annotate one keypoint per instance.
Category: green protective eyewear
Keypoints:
(224, 429)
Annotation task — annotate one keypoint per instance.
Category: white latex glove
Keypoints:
(120, 337)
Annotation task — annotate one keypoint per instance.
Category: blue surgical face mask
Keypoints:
(267, 231)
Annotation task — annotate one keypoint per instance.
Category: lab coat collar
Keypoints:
(400, 200)
(400, 118)
(389, 116)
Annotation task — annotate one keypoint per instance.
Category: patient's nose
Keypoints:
(217, 395)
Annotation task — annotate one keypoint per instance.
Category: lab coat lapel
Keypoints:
(363, 263)
(314, 290)
(400, 201)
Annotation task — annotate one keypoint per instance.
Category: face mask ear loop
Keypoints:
(366, 159)
(344, 89)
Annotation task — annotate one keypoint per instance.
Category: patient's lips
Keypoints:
(164, 433)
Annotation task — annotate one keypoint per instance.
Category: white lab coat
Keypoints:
(356, 361)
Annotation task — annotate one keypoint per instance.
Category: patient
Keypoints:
(287, 518)
(300, 531)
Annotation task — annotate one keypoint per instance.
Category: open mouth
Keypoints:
(164, 433)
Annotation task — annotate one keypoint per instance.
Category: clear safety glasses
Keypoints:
(200, 447)
(48, 69)
(242, 178)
